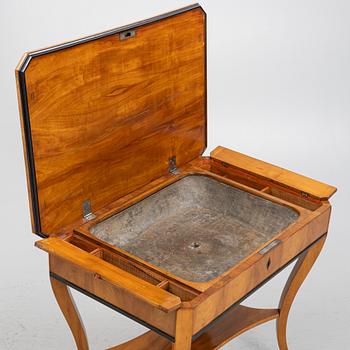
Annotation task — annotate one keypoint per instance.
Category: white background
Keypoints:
(279, 85)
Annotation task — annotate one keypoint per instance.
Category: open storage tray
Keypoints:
(196, 228)
(202, 238)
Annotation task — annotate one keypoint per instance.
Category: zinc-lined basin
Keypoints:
(196, 228)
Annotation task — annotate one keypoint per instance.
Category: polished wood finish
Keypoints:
(157, 297)
(235, 322)
(242, 318)
(118, 297)
(263, 184)
(196, 167)
(184, 326)
(297, 277)
(107, 115)
(147, 341)
(70, 312)
(238, 320)
(210, 299)
(272, 172)
(251, 272)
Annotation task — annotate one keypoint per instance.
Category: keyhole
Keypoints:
(268, 264)
(127, 35)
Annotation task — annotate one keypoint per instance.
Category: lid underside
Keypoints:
(103, 115)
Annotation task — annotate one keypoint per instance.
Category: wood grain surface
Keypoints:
(282, 176)
(70, 312)
(107, 115)
(119, 278)
(235, 322)
(294, 282)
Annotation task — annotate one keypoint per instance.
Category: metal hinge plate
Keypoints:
(88, 215)
(172, 166)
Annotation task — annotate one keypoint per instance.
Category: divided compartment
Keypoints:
(81, 243)
(264, 185)
(185, 294)
(128, 266)
(138, 270)
(292, 198)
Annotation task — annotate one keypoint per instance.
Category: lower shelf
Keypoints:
(235, 322)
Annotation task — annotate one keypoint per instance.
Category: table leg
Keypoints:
(296, 278)
(70, 312)
(183, 332)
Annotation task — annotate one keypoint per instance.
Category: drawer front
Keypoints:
(92, 284)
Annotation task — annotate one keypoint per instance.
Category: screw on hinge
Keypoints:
(304, 194)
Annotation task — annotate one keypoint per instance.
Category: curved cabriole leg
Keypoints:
(296, 278)
(70, 312)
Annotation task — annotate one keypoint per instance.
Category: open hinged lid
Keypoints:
(103, 115)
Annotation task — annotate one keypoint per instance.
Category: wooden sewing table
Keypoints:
(132, 214)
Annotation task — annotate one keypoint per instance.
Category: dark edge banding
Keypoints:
(29, 152)
(205, 80)
(24, 97)
(111, 306)
(107, 33)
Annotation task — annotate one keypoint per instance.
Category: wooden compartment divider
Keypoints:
(266, 186)
(185, 294)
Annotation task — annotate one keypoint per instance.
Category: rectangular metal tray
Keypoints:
(196, 228)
